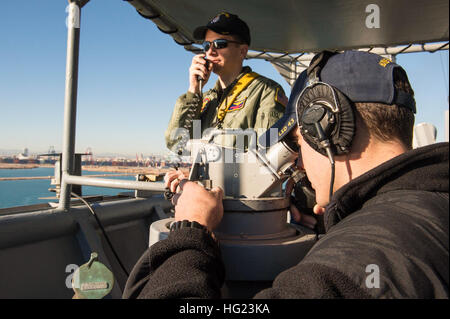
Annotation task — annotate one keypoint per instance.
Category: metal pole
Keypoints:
(70, 100)
(113, 183)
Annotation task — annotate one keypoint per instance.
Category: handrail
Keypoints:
(112, 183)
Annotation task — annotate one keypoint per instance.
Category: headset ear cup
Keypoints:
(340, 129)
(346, 130)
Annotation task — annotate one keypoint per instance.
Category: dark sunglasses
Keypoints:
(218, 44)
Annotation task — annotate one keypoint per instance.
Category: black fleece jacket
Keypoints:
(386, 237)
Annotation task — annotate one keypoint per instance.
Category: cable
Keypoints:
(103, 231)
(331, 181)
(331, 158)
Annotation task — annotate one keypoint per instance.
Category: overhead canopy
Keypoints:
(294, 26)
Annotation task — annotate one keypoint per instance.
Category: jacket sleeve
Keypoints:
(312, 281)
(187, 264)
(187, 109)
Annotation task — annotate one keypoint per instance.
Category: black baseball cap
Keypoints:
(361, 76)
(227, 24)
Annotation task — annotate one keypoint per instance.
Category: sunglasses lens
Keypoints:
(220, 43)
(206, 45)
(217, 44)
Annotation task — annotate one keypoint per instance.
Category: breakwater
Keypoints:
(50, 177)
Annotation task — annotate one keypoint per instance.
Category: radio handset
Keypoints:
(200, 79)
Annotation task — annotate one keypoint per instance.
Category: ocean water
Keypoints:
(29, 192)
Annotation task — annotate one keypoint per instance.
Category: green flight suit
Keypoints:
(257, 106)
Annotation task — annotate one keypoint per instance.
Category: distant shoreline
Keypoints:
(111, 169)
(22, 166)
(125, 169)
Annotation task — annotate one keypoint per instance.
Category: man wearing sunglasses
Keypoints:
(240, 99)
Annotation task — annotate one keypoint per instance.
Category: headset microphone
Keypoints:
(312, 120)
(325, 143)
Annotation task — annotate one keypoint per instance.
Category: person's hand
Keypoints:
(195, 203)
(198, 69)
(303, 219)
(173, 178)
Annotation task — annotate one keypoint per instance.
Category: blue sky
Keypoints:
(129, 78)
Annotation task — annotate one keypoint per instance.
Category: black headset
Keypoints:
(324, 114)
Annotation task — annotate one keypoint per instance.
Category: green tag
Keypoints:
(92, 280)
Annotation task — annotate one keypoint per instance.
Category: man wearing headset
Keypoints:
(384, 205)
(240, 99)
